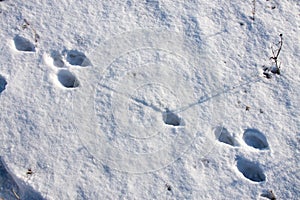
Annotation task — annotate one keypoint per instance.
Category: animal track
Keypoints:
(171, 118)
(255, 138)
(23, 44)
(57, 59)
(224, 136)
(3, 84)
(67, 79)
(75, 57)
(250, 170)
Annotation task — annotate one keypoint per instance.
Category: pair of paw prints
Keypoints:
(252, 138)
(63, 62)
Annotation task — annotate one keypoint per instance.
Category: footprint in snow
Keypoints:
(171, 118)
(250, 170)
(75, 57)
(224, 136)
(57, 59)
(23, 44)
(255, 139)
(67, 79)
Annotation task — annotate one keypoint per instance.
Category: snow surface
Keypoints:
(154, 99)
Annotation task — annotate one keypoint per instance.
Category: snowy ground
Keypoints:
(154, 99)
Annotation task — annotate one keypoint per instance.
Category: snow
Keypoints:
(154, 99)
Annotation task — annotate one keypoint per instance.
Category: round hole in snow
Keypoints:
(171, 118)
(67, 79)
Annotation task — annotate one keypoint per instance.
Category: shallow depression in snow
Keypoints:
(23, 44)
(170, 118)
(75, 57)
(57, 59)
(223, 135)
(250, 170)
(67, 79)
(256, 139)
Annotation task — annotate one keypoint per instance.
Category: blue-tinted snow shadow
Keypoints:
(13, 188)
(3, 84)
(158, 11)
(215, 94)
(192, 30)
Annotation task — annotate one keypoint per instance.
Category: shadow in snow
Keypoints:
(13, 188)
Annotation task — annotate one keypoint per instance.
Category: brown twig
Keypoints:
(253, 9)
(276, 53)
(27, 25)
